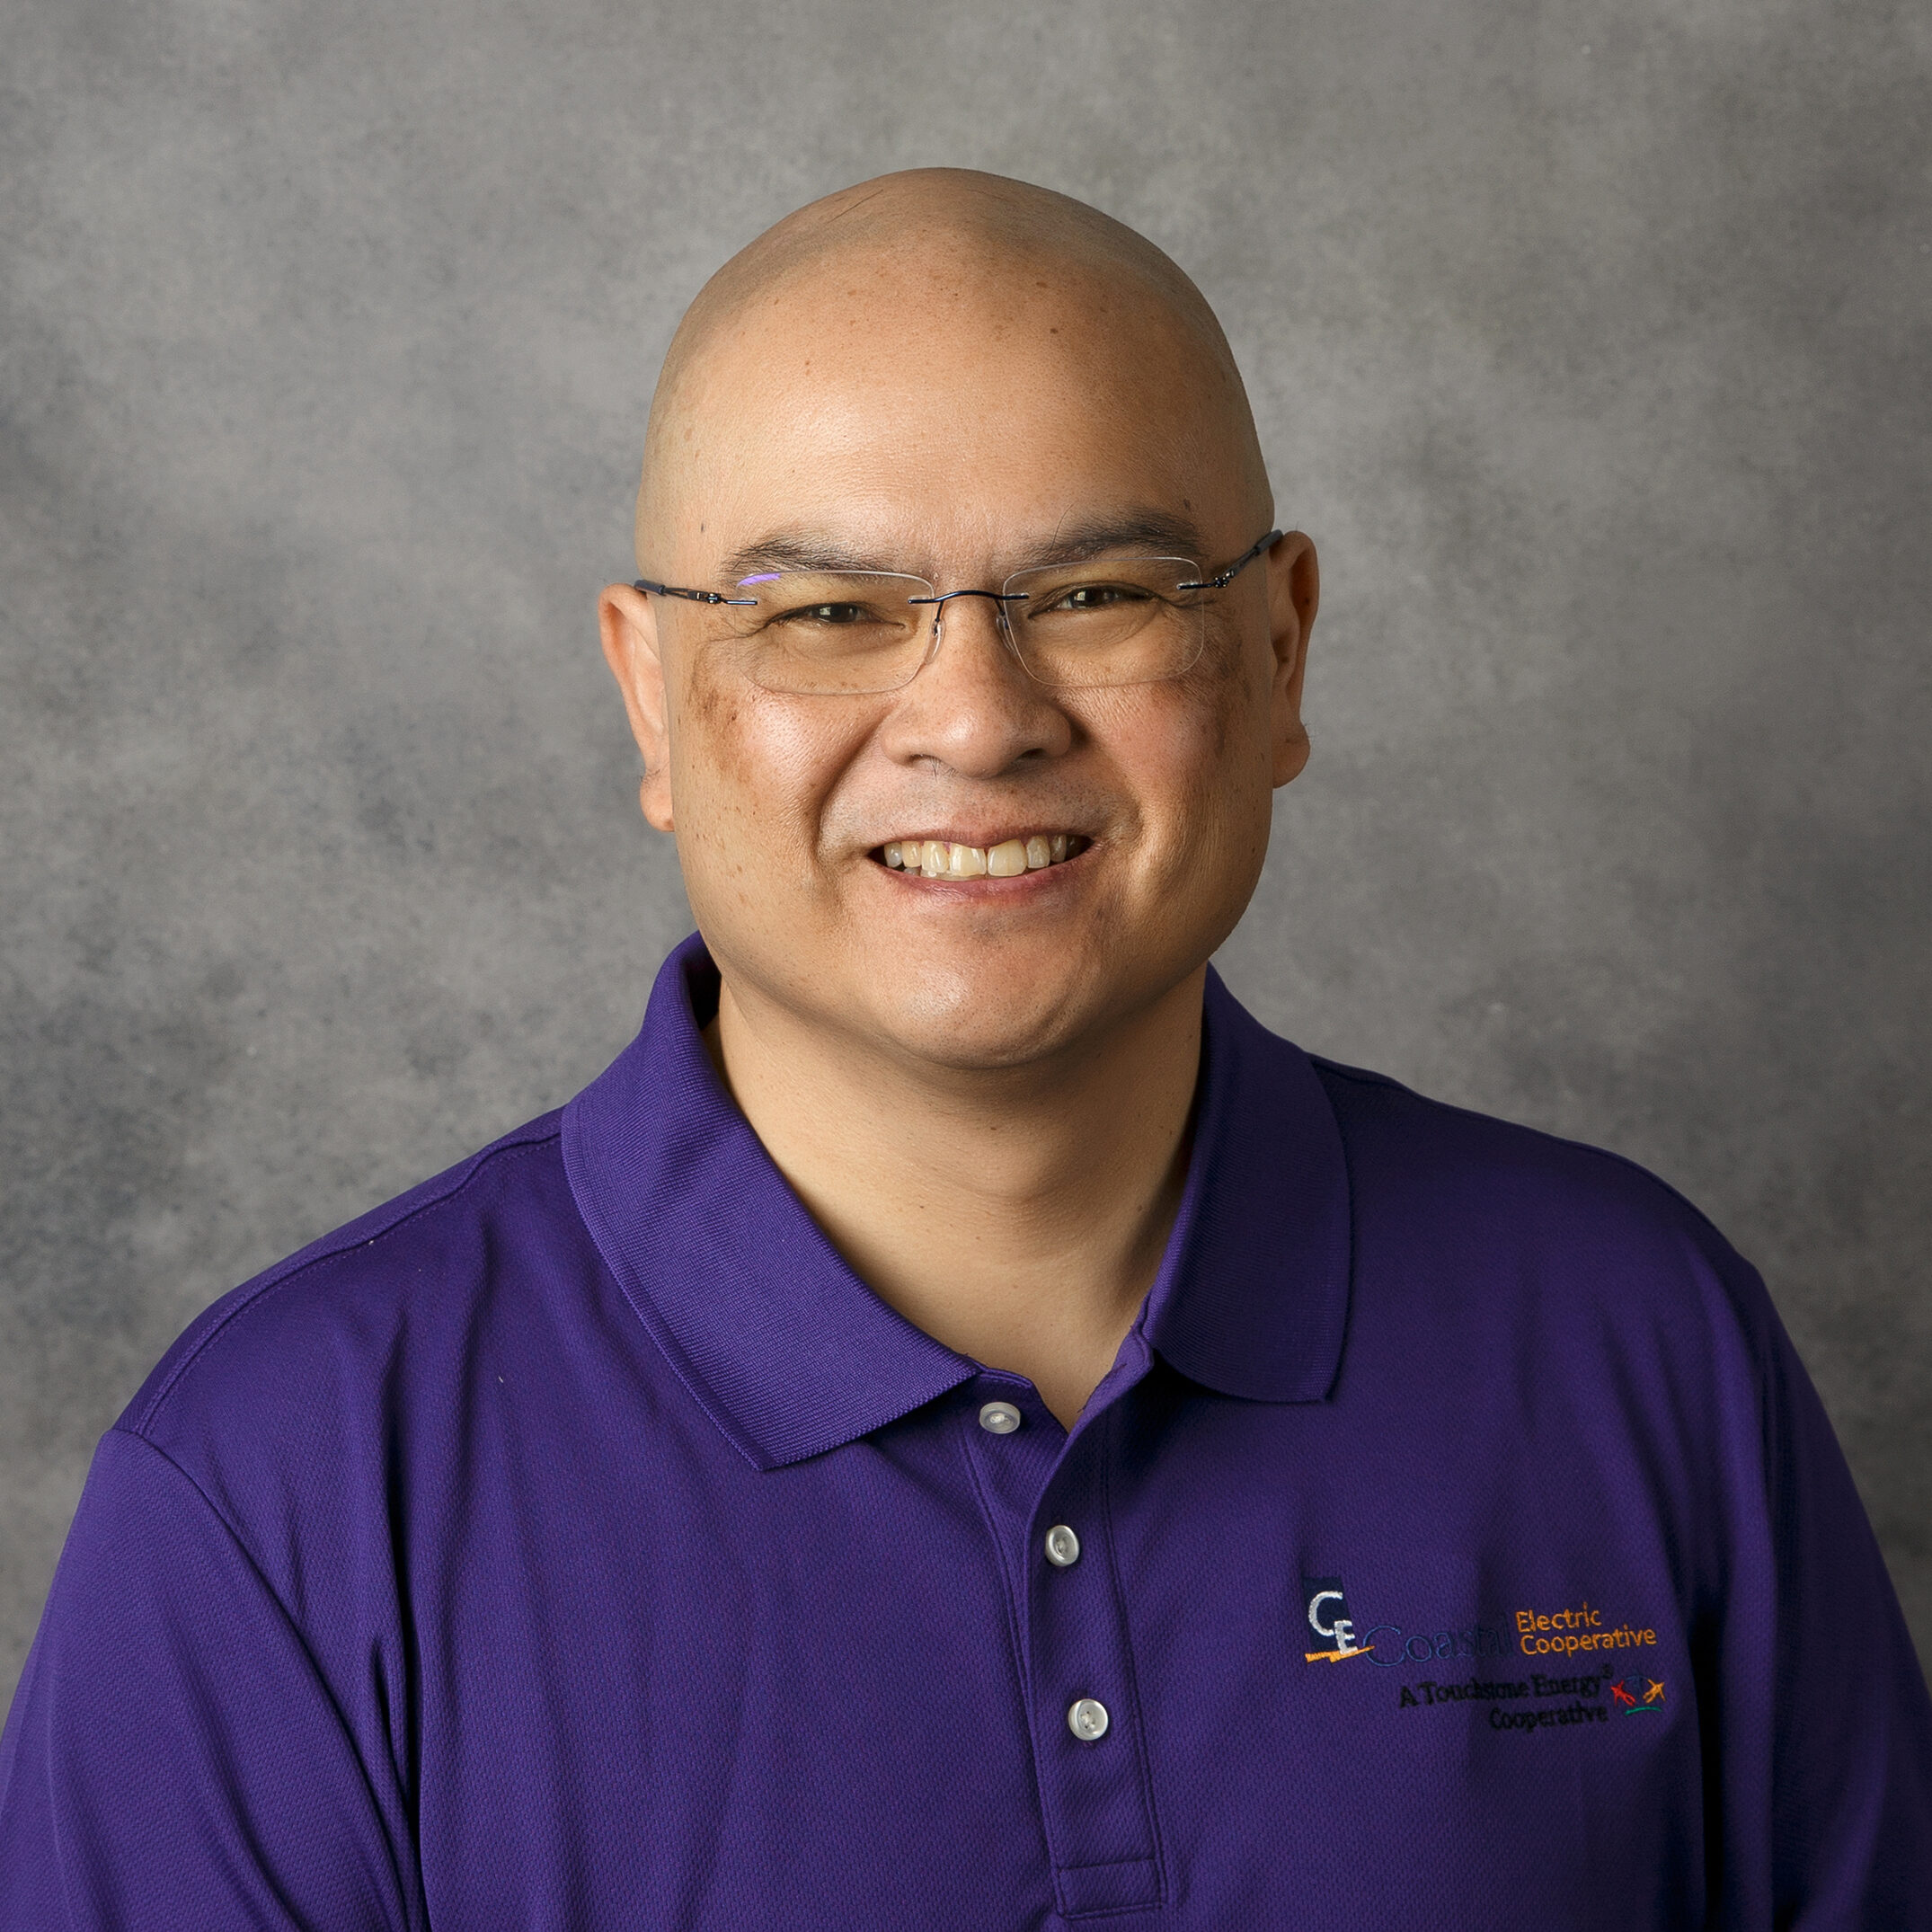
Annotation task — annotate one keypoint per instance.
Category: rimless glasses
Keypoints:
(1075, 626)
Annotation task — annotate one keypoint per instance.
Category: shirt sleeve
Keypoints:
(1849, 1813)
(174, 1757)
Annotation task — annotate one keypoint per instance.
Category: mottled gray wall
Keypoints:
(1590, 341)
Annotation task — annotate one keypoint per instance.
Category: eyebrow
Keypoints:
(784, 552)
(1149, 532)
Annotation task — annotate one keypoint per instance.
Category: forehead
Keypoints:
(953, 403)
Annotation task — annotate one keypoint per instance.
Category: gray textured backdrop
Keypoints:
(1590, 343)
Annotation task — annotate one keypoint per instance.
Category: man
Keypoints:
(958, 1426)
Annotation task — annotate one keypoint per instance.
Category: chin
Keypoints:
(975, 1022)
(994, 1013)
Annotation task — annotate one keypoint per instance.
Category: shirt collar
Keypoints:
(790, 1354)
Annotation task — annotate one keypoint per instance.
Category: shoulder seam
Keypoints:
(1362, 1076)
(214, 1509)
(285, 1273)
(233, 1532)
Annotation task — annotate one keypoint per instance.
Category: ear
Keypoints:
(1294, 591)
(629, 626)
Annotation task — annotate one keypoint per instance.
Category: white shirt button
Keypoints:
(1063, 1547)
(1086, 1718)
(999, 1418)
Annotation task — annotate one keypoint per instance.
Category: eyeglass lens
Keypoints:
(1115, 622)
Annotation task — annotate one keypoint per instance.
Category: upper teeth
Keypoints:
(938, 858)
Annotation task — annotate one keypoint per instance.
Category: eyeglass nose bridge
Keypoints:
(1000, 599)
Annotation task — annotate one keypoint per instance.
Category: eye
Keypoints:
(1096, 596)
(829, 614)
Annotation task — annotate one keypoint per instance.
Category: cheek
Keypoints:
(1193, 752)
(1231, 685)
(1235, 694)
(751, 769)
(714, 749)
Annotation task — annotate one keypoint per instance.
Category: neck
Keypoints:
(1019, 1216)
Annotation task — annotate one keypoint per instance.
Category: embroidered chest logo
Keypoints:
(1329, 1619)
(1535, 1701)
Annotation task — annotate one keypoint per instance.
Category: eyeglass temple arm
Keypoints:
(1223, 579)
(696, 597)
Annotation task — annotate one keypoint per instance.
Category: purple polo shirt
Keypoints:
(576, 1543)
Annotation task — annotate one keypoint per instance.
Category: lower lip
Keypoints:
(985, 886)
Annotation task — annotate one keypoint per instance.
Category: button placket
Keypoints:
(1014, 1454)
(1074, 1667)
(1094, 1772)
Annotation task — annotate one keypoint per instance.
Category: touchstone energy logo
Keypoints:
(1517, 1704)
(1327, 1606)
(1635, 1697)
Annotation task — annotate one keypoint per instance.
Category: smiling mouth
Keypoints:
(940, 858)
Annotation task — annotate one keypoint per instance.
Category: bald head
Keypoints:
(952, 378)
(945, 266)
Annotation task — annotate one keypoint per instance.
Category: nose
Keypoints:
(972, 708)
